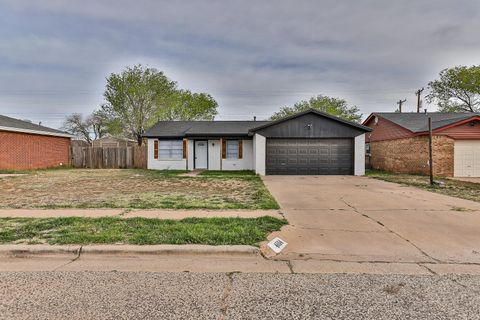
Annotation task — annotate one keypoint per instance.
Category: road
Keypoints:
(146, 295)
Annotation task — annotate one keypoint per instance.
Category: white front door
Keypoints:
(201, 155)
(467, 158)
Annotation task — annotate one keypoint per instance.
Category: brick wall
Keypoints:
(410, 155)
(20, 151)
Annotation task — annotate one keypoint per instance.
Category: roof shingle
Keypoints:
(418, 122)
(21, 125)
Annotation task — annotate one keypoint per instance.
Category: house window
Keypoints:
(170, 149)
(232, 149)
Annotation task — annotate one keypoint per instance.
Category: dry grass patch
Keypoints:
(450, 187)
(83, 188)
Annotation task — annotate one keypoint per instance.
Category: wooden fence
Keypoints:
(109, 158)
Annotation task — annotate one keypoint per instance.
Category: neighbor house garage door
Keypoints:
(309, 156)
(467, 158)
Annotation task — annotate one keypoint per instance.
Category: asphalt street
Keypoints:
(147, 295)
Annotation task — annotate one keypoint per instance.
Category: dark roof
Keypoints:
(317, 112)
(418, 122)
(202, 128)
(7, 123)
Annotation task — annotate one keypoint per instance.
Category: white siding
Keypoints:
(214, 154)
(246, 163)
(157, 164)
(359, 164)
(259, 146)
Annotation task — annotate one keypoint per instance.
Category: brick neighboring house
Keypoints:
(24, 145)
(399, 143)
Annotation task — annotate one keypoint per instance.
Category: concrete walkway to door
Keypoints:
(362, 220)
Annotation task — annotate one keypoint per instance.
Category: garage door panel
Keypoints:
(467, 158)
(309, 156)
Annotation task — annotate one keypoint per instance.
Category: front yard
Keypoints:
(450, 187)
(142, 189)
(141, 231)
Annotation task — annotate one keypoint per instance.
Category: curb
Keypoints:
(129, 249)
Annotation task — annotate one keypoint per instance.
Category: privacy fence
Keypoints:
(109, 158)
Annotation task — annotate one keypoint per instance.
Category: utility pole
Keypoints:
(430, 155)
(400, 102)
(418, 93)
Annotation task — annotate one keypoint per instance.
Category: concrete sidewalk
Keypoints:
(128, 213)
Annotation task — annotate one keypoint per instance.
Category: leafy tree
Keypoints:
(138, 97)
(457, 90)
(85, 128)
(134, 97)
(333, 106)
(185, 105)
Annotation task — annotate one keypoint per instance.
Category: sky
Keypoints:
(253, 57)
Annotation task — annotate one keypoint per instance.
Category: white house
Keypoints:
(310, 142)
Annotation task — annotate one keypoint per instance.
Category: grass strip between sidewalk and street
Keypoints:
(140, 231)
(450, 187)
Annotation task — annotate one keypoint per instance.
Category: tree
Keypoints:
(333, 106)
(138, 97)
(85, 128)
(457, 90)
(185, 105)
(134, 97)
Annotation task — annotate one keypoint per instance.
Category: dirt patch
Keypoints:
(128, 189)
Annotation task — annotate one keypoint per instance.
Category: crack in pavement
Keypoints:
(71, 261)
(390, 230)
(226, 294)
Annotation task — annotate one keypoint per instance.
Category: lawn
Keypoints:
(136, 188)
(454, 188)
(142, 231)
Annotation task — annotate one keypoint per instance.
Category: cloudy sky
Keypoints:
(252, 56)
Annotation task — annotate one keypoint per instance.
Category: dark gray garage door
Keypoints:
(309, 156)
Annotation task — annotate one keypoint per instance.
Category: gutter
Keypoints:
(39, 132)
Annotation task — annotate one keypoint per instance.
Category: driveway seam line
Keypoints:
(390, 230)
(226, 294)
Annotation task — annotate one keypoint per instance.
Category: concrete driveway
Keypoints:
(358, 219)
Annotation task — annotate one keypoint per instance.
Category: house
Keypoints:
(113, 142)
(25, 145)
(399, 143)
(307, 143)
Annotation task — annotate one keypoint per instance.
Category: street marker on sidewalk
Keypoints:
(277, 245)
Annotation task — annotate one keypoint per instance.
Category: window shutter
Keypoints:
(185, 149)
(224, 149)
(155, 149)
(240, 149)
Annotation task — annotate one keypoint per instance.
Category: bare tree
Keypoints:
(78, 126)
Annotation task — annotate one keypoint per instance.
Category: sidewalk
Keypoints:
(128, 213)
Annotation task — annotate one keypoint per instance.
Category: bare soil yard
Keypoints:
(80, 188)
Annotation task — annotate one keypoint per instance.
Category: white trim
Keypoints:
(259, 150)
(39, 132)
(359, 154)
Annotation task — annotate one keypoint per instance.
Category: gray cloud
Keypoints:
(252, 56)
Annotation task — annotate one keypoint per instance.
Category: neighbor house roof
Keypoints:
(418, 122)
(202, 128)
(16, 125)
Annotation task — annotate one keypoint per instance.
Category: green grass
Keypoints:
(141, 231)
(450, 187)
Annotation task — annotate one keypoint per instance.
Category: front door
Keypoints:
(201, 155)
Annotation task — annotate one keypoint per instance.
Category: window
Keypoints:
(232, 149)
(170, 149)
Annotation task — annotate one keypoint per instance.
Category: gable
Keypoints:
(385, 130)
(467, 130)
(310, 125)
